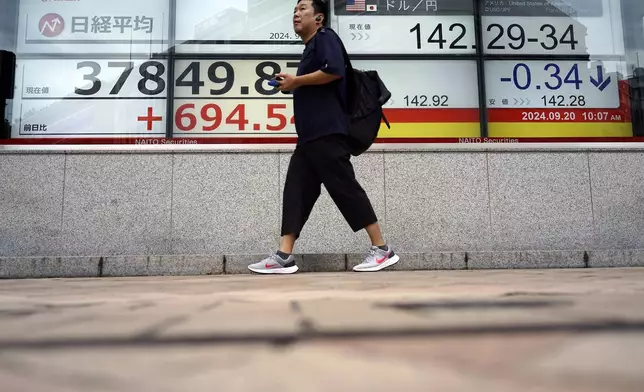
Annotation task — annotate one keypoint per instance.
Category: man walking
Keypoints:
(322, 154)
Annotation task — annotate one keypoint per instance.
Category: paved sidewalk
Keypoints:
(501, 330)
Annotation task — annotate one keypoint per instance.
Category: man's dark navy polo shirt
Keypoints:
(318, 109)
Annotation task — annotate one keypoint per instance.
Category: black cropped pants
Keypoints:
(324, 161)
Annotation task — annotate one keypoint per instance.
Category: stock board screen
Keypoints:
(100, 69)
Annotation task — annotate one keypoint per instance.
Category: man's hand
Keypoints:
(288, 82)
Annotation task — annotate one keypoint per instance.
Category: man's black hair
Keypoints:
(320, 7)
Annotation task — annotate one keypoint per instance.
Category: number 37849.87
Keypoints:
(220, 77)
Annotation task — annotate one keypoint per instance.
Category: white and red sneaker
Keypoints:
(377, 259)
(274, 264)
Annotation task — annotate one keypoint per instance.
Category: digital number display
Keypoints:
(381, 27)
(228, 51)
(406, 26)
(550, 84)
(225, 98)
(232, 98)
(90, 97)
(557, 99)
(552, 27)
(146, 76)
(92, 79)
(531, 37)
(405, 35)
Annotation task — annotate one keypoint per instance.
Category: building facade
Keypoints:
(138, 131)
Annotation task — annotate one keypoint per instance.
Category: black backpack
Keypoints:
(366, 94)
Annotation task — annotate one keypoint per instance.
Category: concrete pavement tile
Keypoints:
(187, 265)
(310, 367)
(612, 361)
(125, 370)
(472, 354)
(526, 259)
(503, 360)
(439, 316)
(238, 317)
(127, 265)
(175, 265)
(442, 301)
(323, 263)
(613, 258)
(331, 301)
(106, 321)
(367, 365)
(48, 267)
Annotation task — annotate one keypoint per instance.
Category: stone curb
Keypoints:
(194, 265)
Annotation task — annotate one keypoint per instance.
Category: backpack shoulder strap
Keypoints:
(349, 74)
(347, 61)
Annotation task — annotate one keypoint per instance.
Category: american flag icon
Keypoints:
(356, 5)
